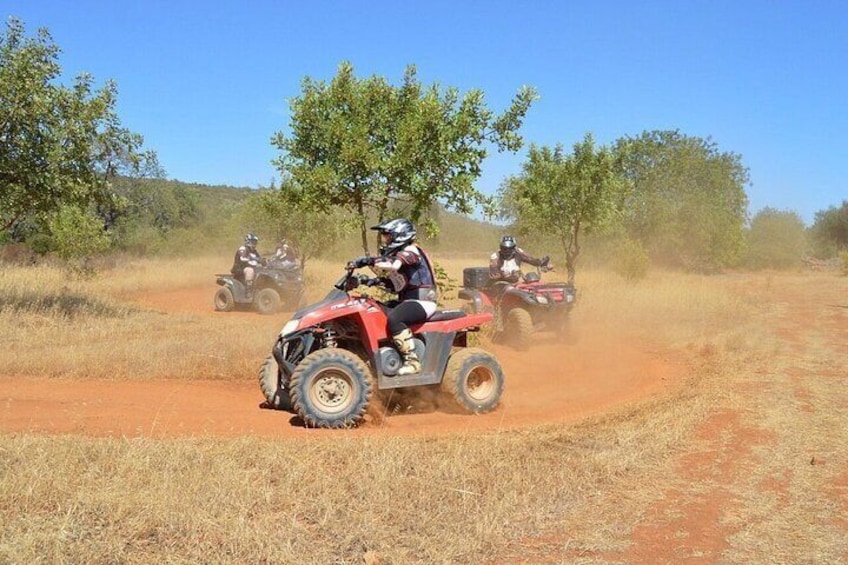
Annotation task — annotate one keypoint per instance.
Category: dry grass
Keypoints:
(52, 325)
(550, 494)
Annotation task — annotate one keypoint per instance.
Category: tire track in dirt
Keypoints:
(552, 382)
(696, 524)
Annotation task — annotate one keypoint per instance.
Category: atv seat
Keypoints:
(442, 315)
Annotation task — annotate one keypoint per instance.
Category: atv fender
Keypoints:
(515, 297)
(478, 300)
(236, 286)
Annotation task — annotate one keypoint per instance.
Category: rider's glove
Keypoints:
(363, 262)
(545, 260)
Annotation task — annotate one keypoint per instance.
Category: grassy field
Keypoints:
(743, 462)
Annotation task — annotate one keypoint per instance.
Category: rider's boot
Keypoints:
(248, 291)
(406, 348)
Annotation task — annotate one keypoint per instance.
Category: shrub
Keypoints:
(631, 260)
(776, 240)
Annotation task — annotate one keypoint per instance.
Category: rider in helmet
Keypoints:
(407, 270)
(245, 262)
(505, 263)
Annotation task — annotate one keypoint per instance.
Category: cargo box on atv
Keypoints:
(475, 277)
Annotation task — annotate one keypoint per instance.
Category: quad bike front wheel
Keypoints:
(267, 301)
(331, 388)
(474, 379)
(518, 328)
(224, 299)
(276, 395)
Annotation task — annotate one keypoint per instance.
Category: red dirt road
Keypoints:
(553, 383)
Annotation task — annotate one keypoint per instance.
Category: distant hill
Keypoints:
(221, 224)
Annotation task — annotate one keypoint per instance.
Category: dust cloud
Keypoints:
(551, 382)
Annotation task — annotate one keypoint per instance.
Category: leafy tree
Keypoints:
(165, 205)
(566, 195)
(688, 203)
(776, 239)
(364, 145)
(830, 230)
(284, 213)
(59, 146)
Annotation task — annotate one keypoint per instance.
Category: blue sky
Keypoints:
(208, 83)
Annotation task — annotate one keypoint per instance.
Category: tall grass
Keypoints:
(546, 494)
(330, 500)
(105, 327)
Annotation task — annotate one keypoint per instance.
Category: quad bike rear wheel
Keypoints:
(518, 328)
(267, 301)
(331, 388)
(224, 299)
(276, 395)
(474, 379)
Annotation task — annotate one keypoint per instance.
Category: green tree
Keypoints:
(284, 213)
(59, 146)
(688, 203)
(564, 195)
(76, 234)
(777, 239)
(365, 146)
(830, 230)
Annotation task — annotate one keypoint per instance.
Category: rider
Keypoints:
(284, 255)
(505, 263)
(407, 270)
(245, 262)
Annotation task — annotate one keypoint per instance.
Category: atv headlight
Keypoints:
(291, 326)
(569, 298)
(542, 299)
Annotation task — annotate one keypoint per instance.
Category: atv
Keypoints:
(523, 308)
(335, 357)
(276, 285)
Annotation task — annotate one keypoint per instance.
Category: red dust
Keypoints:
(553, 382)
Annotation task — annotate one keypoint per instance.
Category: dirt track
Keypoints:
(552, 383)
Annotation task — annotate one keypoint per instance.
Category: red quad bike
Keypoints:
(525, 307)
(332, 358)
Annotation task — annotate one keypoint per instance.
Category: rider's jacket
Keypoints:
(509, 270)
(284, 258)
(245, 257)
(410, 273)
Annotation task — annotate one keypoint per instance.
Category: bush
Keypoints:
(631, 260)
(843, 259)
(776, 240)
(77, 235)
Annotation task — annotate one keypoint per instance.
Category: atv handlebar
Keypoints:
(350, 281)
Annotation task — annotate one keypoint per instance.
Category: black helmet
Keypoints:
(250, 240)
(508, 246)
(401, 232)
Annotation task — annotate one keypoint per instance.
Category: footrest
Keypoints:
(442, 315)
